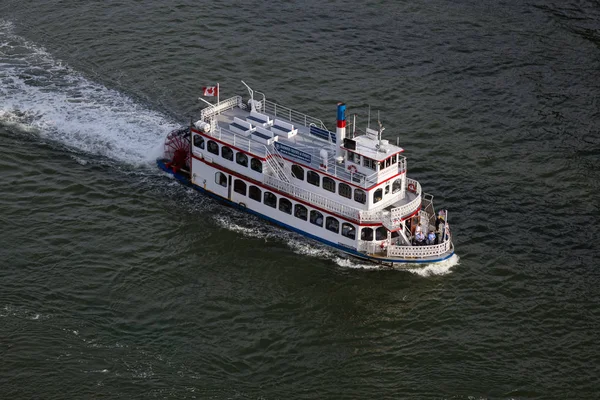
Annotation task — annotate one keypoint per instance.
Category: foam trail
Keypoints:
(255, 228)
(441, 268)
(39, 94)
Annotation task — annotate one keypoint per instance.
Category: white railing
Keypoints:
(286, 113)
(419, 251)
(311, 197)
(239, 141)
(339, 171)
(370, 247)
(424, 217)
(412, 206)
(393, 218)
(373, 216)
(273, 162)
(209, 112)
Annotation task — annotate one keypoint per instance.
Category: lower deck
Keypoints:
(312, 222)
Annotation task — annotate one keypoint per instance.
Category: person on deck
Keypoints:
(440, 219)
(431, 238)
(419, 237)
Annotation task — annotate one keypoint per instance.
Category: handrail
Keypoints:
(274, 164)
(239, 141)
(412, 206)
(209, 112)
(312, 198)
(392, 218)
(419, 251)
(405, 251)
(291, 115)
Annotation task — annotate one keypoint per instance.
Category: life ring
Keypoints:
(411, 187)
(352, 169)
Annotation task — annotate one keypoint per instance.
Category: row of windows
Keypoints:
(228, 154)
(298, 210)
(343, 189)
(301, 212)
(370, 163)
(380, 233)
(312, 177)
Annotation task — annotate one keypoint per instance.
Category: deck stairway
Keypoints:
(277, 165)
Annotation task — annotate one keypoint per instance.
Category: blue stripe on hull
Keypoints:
(355, 253)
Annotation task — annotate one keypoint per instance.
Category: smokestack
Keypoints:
(340, 132)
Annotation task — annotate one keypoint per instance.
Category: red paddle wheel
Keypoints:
(177, 149)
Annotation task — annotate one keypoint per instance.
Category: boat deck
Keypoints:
(304, 146)
(304, 140)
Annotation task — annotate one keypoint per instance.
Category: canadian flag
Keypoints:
(210, 91)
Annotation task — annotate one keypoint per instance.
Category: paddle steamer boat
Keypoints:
(348, 189)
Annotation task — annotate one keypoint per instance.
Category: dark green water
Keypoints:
(116, 282)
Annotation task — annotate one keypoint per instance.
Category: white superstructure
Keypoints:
(343, 188)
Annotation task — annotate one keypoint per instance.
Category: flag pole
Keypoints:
(218, 95)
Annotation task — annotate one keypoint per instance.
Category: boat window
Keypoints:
(300, 211)
(316, 218)
(395, 234)
(241, 159)
(227, 153)
(388, 162)
(394, 159)
(377, 195)
(256, 165)
(381, 233)
(348, 230)
(355, 158)
(254, 193)
(387, 189)
(285, 205)
(221, 179)
(397, 185)
(366, 234)
(313, 178)
(381, 165)
(332, 224)
(360, 196)
(367, 162)
(198, 141)
(328, 184)
(239, 187)
(345, 190)
(270, 199)
(298, 172)
(213, 147)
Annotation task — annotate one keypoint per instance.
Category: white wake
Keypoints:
(41, 95)
(257, 229)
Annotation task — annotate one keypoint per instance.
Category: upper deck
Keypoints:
(312, 145)
(284, 139)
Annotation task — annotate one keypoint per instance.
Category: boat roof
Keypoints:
(368, 146)
(306, 145)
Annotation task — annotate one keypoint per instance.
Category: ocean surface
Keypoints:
(116, 282)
